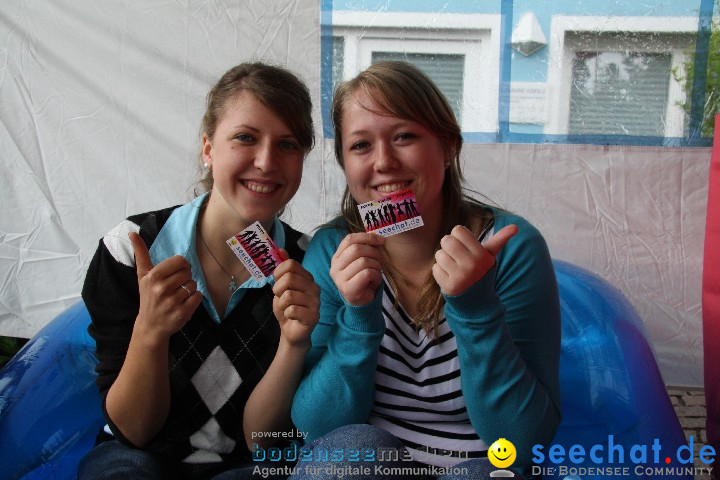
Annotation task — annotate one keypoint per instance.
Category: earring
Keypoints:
(207, 166)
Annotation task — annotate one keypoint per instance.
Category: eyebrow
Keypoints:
(401, 123)
(357, 132)
(249, 127)
(257, 130)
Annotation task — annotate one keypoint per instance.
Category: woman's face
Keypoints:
(256, 161)
(383, 154)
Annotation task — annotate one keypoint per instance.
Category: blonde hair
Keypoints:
(403, 91)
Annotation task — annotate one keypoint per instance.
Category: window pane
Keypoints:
(621, 93)
(444, 69)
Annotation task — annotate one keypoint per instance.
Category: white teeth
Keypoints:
(388, 188)
(260, 188)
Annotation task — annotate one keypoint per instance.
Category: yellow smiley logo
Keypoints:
(502, 453)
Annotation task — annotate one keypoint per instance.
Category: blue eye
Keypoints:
(244, 137)
(288, 145)
(406, 136)
(359, 145)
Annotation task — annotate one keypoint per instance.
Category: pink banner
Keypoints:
(711, 297)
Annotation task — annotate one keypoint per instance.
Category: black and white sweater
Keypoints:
(213, 366)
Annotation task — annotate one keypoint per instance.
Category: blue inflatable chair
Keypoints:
(50, 408)
(610, 383)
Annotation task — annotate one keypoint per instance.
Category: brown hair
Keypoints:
(277, 88)
(403, 91)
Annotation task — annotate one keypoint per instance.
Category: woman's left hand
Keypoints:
(462, 260)
(297, 302)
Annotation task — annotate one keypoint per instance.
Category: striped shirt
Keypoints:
(417, 390)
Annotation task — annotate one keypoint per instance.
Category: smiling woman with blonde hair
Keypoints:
(443, 338)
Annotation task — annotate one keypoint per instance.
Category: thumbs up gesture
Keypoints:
(168, 294)
(462, 260)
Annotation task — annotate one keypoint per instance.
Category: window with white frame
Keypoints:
(622, 93)
(613, 75)
(446, 70)
(458, 52)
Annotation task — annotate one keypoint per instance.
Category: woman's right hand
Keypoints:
(168, 294)
(356, 267)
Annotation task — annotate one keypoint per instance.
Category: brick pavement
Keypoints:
(689, 406)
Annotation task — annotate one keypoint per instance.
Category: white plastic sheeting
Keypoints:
(633, 215)
(100, 105)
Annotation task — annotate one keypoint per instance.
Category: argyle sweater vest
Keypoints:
(213, 368)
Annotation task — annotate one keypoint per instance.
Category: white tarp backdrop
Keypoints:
(100, 105)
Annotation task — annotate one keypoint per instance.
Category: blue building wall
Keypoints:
(519, 68)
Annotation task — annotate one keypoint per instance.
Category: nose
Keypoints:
(384, 157)
(265, 157)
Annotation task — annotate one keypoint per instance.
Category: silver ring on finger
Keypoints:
(187, 290)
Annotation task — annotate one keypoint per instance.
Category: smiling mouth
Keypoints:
(260, 187)
(392, 187)
(501, 459)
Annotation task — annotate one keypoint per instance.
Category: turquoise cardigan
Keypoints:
(507, 327)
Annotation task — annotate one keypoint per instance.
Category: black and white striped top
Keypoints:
(417, 391)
